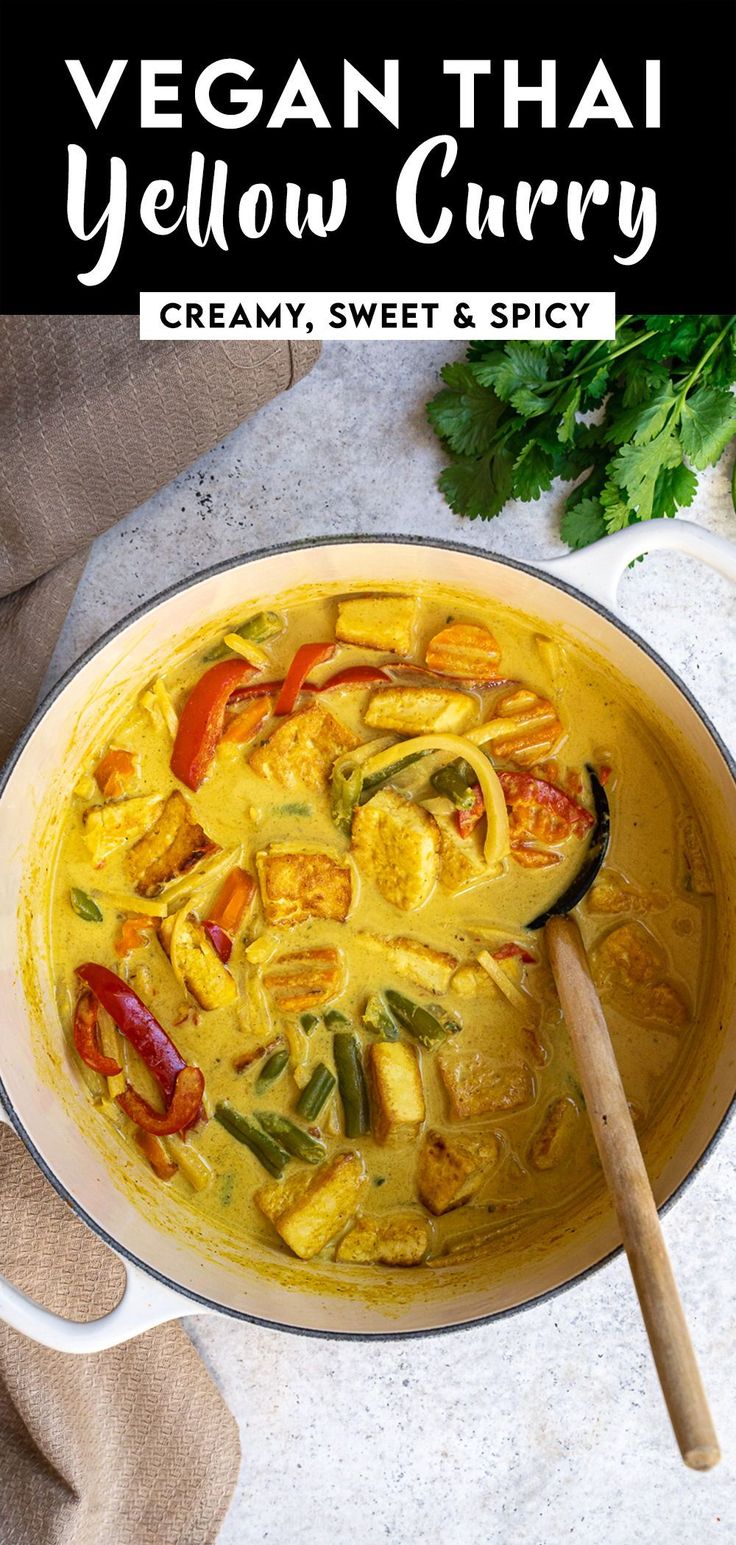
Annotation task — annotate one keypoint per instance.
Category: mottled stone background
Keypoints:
(546, 1427)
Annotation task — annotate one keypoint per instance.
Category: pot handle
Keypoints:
(145, 1303)
(596, 570)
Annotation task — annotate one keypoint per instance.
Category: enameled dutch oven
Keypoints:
(174, 1269)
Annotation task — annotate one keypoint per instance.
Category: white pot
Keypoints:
(172, 1269)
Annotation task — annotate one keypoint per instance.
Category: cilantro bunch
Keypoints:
(637, 415)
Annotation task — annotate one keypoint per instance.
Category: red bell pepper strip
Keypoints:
(85, 1036)
(137, 1024)
(513, 951)
(202, 720)
(221, 942)
(352, 676)
(467, 820)
(256, 689)
(182, 1111)
(306, 657)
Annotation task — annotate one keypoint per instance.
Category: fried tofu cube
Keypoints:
(426, 967)
(418, 710)
(397, 1096)
(304, 979)
(109, 827)
(303, 748)
(461, 859)
(553, 1140)
(196, 962)
(393, 1241)
(308, 1210)
(477, 1086)
(395, 844)
(629, 959)
(452, 1169)
(377, 622)
(300, 882)
(174, 844)
(613, 893)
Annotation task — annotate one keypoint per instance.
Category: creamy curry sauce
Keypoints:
(487, 1123)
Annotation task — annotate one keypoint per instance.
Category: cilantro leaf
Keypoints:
(583, 524)
(641, 421)
(509, 369)
(464, 414)
(569, 404)
(478, 488)
(636, 468)
(674, 489)
(533, 471)
(708, 423)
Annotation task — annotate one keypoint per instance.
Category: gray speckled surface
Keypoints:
(547, 1426)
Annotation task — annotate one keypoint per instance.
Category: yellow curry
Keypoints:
(291, 922)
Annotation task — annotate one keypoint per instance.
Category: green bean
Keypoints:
(377, 1016)
(375, 780)
(335, 1020)
(272, 1069)
(316, 1092)
(84, 906)
(270, 1154)
(291, 1137)
(345, 789)
(351, 1083)
(455, 781)
(309, 1022)
(428, 1025)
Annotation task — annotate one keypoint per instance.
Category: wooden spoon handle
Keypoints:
(632, 1197)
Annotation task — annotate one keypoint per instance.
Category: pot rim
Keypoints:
(274, 551)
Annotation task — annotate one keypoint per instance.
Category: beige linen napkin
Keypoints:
(132, 1446)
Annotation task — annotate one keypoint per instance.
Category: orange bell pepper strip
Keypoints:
(156, 1154)
(306, 657)
(243, 725)
(182, 1111)
(133, 933)
(202, 719)
(137, 1024)
(233, 900)
(86, 1015)
(114, 771)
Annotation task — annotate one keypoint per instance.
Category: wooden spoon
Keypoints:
(631, 1193)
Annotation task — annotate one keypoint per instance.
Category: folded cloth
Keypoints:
(133, 1446)
(92, 421)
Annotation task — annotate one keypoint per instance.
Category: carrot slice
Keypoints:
(466, 651)
(233, 900)
(114, 772)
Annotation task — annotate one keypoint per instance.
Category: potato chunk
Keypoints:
(477, 1086)
(307, 1210)
(300, 882)
(174, 844)
(393, 1241)
(395, 843)
(303, 748)
(426, 967)
(108, 827)
(553, 1140)
(304, 979)
(418, 710)
(196, 962)
(452, 1169)
(397, 1096)
(377, 622)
